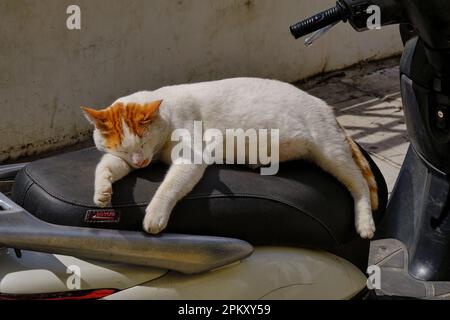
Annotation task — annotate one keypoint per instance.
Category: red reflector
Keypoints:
(71, 295)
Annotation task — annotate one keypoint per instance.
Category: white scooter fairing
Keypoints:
(269, 273)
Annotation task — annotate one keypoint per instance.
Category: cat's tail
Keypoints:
(366, 170)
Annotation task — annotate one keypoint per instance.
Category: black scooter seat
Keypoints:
(301, 205)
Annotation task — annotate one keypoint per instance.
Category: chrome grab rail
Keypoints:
(9, 171)
(183, 253)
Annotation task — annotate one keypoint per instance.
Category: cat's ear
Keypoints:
(93, 116)
(150, 109)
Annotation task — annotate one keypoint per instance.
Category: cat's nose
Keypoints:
(139, 160)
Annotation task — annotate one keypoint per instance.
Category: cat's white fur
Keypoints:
(308, 130)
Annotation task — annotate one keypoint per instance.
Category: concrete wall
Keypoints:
(47, 71)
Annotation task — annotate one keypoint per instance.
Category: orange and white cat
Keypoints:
(137, 128)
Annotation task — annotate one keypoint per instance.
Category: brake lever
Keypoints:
(319, 33)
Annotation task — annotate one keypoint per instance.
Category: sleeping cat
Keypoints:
(137, 128)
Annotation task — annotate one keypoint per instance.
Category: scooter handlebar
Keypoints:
(319, 21)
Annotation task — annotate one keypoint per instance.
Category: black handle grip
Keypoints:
(319, 21)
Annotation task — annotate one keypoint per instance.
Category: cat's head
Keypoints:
(130, 131)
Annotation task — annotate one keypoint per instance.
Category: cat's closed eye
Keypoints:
(145, 122)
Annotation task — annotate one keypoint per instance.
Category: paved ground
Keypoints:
(367, 103)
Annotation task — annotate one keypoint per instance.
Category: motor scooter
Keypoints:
(412, 242)
(240, 235)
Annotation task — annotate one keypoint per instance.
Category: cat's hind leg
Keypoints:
(336, 158)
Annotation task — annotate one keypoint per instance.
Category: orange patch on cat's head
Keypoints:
(138, 116)
(109, 121)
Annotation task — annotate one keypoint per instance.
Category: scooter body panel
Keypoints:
(269, 273)
(36, 273)
(418, 211)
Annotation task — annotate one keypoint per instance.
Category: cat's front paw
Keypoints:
(103, 195)
(156, 217)
(365, 227)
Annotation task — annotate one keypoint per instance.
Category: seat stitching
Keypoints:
(25, 194)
